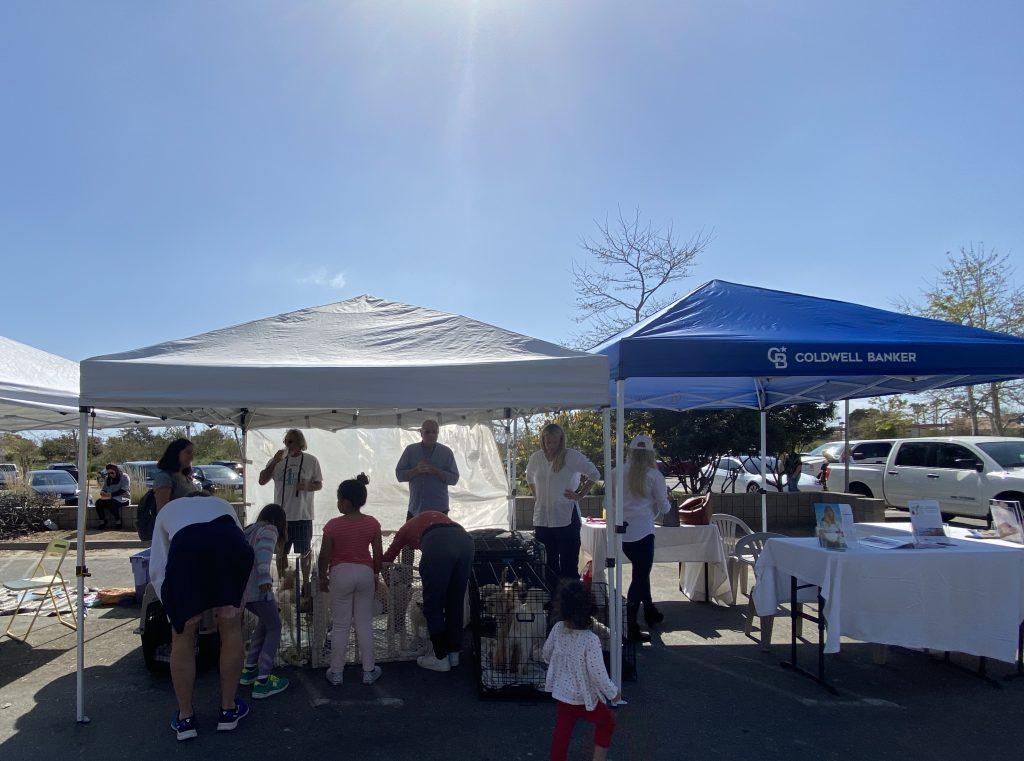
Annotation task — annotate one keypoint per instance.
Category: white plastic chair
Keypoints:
(40, 579)
(732, 528)
(748, 549)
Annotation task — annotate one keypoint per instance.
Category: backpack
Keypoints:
(146, 516)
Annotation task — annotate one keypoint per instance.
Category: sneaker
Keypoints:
(229, 719)
(453, 659)
(369, 677)
(185, 729)
(335, 677)
(249, 675)
(652, 615)
(634, 634)
(272, 685)
(432, 662)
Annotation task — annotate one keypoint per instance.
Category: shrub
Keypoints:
(23, 511)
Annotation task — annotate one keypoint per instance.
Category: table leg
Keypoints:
(707, 587)
(796, 614)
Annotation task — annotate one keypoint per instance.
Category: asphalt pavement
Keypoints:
(705, 691)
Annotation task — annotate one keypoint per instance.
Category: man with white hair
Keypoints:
(296, 475)
(429, 469)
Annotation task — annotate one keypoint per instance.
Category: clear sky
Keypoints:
(171, 168)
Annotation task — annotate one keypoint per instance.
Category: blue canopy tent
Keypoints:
(728, 346)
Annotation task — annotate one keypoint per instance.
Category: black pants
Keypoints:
(562, 545)
(446, 558)
(111, 505)
(641, 555)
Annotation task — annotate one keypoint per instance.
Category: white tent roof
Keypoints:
(39, 391)
(361, 362)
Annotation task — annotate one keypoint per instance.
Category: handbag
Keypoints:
(694, 512)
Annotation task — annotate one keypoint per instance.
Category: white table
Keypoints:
(968, 598)
(696, 548)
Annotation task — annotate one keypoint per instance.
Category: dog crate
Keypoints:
(602, 619)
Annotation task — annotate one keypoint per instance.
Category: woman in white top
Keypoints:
(559, 478)
(645, 497)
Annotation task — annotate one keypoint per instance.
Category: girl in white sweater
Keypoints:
(576, 676)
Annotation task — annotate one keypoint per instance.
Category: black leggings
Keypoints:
(641, 555)
(562, 545)
(103, 505)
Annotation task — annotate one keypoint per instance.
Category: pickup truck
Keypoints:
(961, 472)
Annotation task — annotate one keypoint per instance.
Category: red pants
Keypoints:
(601, 717)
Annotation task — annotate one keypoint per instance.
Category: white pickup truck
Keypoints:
(962, 472)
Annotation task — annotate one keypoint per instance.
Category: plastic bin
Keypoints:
(140, 570)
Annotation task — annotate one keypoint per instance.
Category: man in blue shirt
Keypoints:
(429, 468)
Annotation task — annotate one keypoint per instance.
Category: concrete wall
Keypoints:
(794, 511)
(787, 512)
(67, 517)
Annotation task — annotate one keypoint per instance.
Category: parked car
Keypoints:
(70, 467)
(961, 472)
(57, 483)
(217, 477)
(233, 464)
(10, 475)
(146, 469)
(863, 451)
(747, 472)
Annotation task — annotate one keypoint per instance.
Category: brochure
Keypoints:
(886, 542)
(835, 530)
(926, 523)
(1007, 521)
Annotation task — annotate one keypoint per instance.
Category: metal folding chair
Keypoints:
(39, 579)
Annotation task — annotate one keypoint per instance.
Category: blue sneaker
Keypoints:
(229, 719)
(185, 729)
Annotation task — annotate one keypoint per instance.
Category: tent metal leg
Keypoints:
(846, 446)
(615, 603)
(514, 472)
(80, 570)
(764, 477)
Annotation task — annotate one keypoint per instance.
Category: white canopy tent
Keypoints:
(361, 363)
(39, 392)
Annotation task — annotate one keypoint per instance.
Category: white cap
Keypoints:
(642, 441)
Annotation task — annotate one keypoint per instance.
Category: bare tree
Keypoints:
(976, 288)
(627, 273)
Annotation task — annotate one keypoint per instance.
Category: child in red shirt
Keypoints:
(352, 580)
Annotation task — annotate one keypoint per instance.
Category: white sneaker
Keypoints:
(453, 659)
(369, 677)
(335, 677)
(432, 662)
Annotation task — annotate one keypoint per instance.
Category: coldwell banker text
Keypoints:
(779, 356)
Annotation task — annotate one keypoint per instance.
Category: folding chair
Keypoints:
(40, 579)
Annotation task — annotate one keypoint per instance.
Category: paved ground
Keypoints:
(705, 692)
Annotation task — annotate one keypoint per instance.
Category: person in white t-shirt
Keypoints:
(296, 475)
(559, 478)
(645, 497)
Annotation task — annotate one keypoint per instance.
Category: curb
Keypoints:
(110, 544)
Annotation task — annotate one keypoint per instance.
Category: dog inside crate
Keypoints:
(513, 625)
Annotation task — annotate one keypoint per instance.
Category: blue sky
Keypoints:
(195, 165)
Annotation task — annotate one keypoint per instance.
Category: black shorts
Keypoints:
(300, 536)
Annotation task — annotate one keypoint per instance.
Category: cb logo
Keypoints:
(777, 356)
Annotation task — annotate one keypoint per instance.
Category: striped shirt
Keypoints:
(262, 537)
(351, 538)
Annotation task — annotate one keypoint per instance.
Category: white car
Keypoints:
(748, 476)
(863, 452)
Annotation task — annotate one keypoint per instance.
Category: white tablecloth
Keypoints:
(693, 546)
(968, 598)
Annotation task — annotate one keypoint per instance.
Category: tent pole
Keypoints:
(80, 570)
(764, 478)
(846, 446)
(513, 470)
(243, 421)
(615, 537)
(606, 427)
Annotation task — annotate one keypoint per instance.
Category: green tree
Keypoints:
(20, 450)
(976, 287)
(64, 447)
(887, 418)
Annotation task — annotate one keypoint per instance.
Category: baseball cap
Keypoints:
(642, 441)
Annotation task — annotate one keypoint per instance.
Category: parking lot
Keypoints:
(705, 691)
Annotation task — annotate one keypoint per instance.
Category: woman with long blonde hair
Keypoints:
(645, 497)
(559, 477)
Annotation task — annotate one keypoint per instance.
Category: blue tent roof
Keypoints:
(727, 345)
